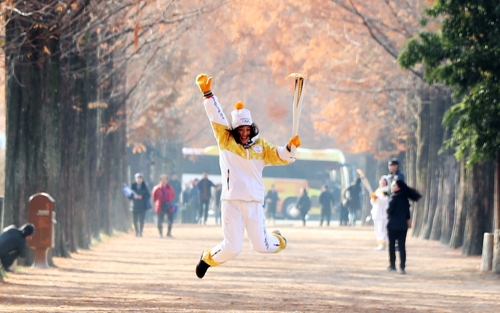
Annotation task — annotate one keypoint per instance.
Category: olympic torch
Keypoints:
(298, 92)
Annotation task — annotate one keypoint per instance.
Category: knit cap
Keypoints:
(241, 116)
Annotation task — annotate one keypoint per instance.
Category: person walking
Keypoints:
(242, 158)
(140, 197)
(205, 185)
(352, 197)
(326, 202)
(394, 174)
(399, 220)
(14, 244)
(163, 197)
(303, 205)
(380, 202)
(271, 201)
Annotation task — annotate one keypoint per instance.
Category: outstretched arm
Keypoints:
(212, 106)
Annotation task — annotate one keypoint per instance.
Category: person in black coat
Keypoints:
(176, 184)
(399, 220)
(326, 202)
(271, 203)
(303, 205)
(140, 197)
(352, 196)
(14, 244)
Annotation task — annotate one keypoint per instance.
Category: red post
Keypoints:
(41, 214)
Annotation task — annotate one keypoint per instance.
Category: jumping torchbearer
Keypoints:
(243, 156)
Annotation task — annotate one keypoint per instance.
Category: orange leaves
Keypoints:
(352, 96)
(46, 50)
(138, 147)
(136, 36)
(97, 104)
(277, 111)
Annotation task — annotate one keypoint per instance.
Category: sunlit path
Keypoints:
(323, 270)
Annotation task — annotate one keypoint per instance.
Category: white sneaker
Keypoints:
(380, 248)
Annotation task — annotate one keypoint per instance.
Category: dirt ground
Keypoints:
(322, 270)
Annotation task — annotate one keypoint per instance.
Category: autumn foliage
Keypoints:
(354, 91)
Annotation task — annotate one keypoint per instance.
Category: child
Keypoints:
(243, 156)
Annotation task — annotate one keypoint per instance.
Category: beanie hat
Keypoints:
(241, 116)
(387, 178)
(27, 230)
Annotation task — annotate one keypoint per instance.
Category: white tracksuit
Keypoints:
(243, 189)
(379, 215)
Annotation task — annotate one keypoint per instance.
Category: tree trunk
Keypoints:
(33, 118)
(496, 222)
(422, 164)
(447, 198)
(433, 166)
(480, 214)
(440, 103)
(461, 204)
(56, 143)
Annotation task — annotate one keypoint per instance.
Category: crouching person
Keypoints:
(14, 244)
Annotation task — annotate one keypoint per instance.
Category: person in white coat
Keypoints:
(380, 202)
(242, 157)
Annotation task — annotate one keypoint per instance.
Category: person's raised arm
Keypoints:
(217, 118)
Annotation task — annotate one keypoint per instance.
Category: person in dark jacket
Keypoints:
(271, 202)
(399, 220)
(394, 171)
(205, 186)
(303, 205)
(140, 197)
(352, 196)
(176, 184)
(14, 244)
(326, 202)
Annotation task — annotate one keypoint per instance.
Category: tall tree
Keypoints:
(464, 54)
(66, 94)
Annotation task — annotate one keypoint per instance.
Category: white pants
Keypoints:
(380, 226)
(236, 216)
